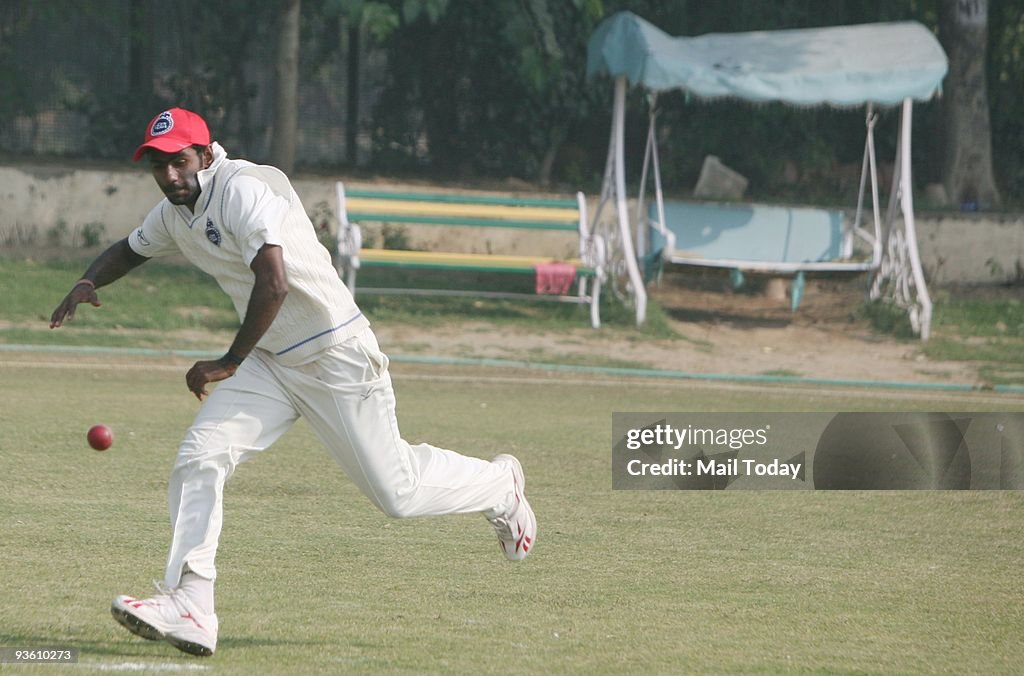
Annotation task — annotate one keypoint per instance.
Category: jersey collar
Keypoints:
(206, 177)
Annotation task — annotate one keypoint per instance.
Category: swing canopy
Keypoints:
(880, 63)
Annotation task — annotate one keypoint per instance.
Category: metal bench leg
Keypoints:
(796, 292)
(581, 287)
(351, 281)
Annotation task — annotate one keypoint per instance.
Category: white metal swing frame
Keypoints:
(893, 243)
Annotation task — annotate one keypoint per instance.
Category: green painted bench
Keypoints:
(359, 206)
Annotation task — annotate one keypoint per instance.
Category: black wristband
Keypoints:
(232, 358)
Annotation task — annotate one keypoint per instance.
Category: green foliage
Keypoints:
(382, 19)
(887, 318)
(15, 82)
(506, 97)
(20, 235)
(1006, 95)
(511, 99)
(395, 237)
(92, 234)
(56, 235)
(433, 10)
(474, 89)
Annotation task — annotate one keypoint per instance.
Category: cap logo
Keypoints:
(162, 124)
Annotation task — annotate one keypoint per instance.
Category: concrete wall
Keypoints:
(971, 248)
(955, 247)
(36, 199)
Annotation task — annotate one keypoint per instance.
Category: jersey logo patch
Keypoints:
(142, 238)
(162, 124)
(212, 233)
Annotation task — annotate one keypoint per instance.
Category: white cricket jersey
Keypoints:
(242, 207)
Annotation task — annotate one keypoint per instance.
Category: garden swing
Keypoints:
(870, 65)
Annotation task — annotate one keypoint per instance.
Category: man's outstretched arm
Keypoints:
(111, 265)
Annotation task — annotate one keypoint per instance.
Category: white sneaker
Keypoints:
(170, 616)
(516, 528)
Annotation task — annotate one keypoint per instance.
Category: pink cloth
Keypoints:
(554, 279)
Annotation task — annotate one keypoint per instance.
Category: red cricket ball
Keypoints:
(100, 437)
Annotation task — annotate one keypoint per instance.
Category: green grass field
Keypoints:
(315, 580)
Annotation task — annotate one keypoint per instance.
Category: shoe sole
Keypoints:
(189, 647)
(134, 624)
(151, 633)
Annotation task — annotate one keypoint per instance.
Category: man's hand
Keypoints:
(203, 373)
(82, 293)
(111, 265)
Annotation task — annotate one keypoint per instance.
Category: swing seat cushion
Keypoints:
(750, 232)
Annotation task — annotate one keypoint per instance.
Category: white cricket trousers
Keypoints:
(347, 398)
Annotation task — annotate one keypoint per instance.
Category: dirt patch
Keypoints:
(720, 331)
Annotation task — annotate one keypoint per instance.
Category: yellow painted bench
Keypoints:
(357, 206)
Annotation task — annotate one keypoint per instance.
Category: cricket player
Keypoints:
(303, 349)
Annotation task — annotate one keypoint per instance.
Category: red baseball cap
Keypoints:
(172, 131)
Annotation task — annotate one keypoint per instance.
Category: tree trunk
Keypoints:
(967, 174)
(286, 101)
(140, 54)
(352, 95)
(547, 164)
